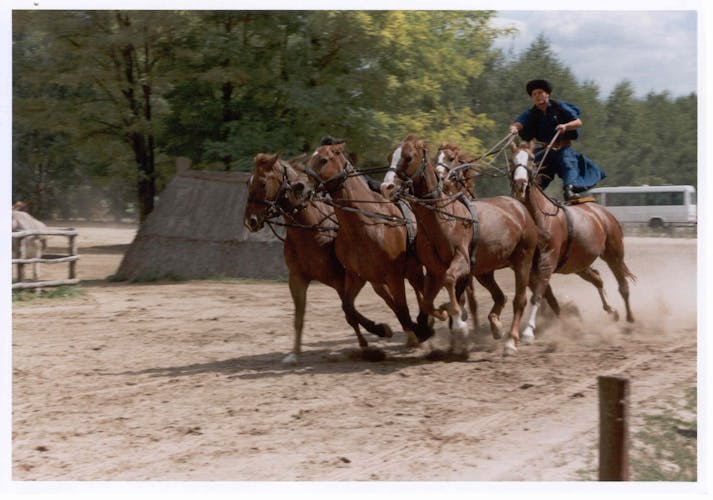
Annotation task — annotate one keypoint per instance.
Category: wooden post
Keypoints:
(613, 428)
(72, 252)
(23, 256)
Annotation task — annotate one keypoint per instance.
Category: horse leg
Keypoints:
(383, 291)
(417, 279)
(396, 286)
(488, 281)
(455, 279)
(298, 289)
(472, 302)
(621, 272)
(352, 285)
(521, 267)
(592, 276)
(539, 282)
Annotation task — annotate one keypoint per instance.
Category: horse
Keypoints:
(458, 238)
(571, 239)
(311, 229)
(36, 244)
(373, 238)
(448, 158)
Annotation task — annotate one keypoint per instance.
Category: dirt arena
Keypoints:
(184, 380)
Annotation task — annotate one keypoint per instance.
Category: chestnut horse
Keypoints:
(311, 229)
(449, 158)
(373, 239)
(458, 237)
(571, 239)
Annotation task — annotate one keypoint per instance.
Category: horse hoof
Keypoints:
(411, 339)
(386, 331)
(615, 315)
(290, 359)
(527, 337)
(509, 348)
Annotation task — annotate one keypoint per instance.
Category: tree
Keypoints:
(108, 63)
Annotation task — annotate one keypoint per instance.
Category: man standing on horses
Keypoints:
(541, 123)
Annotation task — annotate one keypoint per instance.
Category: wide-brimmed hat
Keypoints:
(538, 84)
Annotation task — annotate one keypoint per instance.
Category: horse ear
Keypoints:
(274, 158)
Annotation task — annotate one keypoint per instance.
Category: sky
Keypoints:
(654, 50)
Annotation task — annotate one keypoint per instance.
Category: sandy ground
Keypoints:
(184, 381)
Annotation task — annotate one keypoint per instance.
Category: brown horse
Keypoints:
(311, 229)
(373, 239)
(457, 238)
(449, 158)
(450, 162)
(571, 239)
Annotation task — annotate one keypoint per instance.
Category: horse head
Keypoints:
(328, 167)
(520, 172)
(448, 160)
(407, 165)
(270, 189)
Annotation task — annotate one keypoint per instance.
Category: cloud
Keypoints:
(655, 50)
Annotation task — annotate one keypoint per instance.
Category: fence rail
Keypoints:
(21, 248)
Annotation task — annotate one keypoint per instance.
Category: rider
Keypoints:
(541, 122)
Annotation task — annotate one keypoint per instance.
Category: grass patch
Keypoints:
(60, 292)
(666, 448)
(149, 277)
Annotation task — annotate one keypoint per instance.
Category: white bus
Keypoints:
(657, 206)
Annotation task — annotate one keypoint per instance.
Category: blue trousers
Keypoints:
(572, 167)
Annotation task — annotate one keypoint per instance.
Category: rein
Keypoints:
(486, 169)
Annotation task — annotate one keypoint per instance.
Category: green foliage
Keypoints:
(105, 100)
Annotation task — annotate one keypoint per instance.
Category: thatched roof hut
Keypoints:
(196, 231)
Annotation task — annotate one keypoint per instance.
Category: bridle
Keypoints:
(336, 181)
(408, 180)
(454, 173)
(529, 176)
(276, 206)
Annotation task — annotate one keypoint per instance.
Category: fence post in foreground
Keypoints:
(613, 428)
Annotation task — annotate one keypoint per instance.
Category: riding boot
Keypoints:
(569, 193)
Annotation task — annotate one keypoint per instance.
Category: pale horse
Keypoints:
(35, 245)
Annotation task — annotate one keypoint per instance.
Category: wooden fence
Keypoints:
(71, 258)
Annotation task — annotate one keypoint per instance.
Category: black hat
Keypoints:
(538, 84)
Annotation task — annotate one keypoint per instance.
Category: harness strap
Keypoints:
(410, 229)
(570, 230)
(474, 241)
